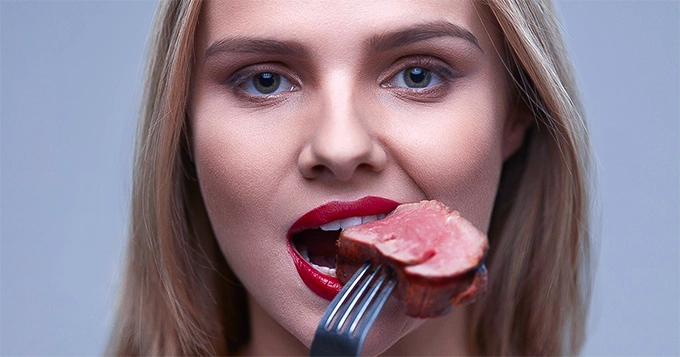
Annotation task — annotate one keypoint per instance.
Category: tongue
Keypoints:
(321, 245)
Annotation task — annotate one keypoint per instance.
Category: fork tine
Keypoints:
(374, 310)
(366, 303)
(346, 293)
(357, 296)
(358, 305)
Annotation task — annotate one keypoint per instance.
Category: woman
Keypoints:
(259, 113)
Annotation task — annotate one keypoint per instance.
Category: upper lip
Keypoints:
(335, 210)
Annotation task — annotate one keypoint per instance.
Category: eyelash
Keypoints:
(243, 76)
(445, 73)
(436, 66)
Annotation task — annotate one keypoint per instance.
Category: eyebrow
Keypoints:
(258, 46)
(421, 32)
(378, 43)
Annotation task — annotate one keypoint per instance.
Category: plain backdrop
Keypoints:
(70, 84)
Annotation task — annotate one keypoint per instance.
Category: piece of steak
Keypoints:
(437, 255)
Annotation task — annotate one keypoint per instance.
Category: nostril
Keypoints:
(340, 173)
(326, 156)
(366, 167)
(320, 170)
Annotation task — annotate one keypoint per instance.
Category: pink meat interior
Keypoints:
(431, 241)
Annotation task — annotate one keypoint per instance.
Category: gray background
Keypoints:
(70, 83)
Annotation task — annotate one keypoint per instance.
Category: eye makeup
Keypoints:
(402, 76)
(254, 84)
(424, 72)
(263, 83)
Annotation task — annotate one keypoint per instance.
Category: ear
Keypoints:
(516, 125)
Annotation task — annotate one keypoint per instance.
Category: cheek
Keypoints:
(241, 159)
(455, 156)
(239, 172)
(242, 172)
(233, 163)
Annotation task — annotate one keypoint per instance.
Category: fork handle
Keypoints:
(335, 348)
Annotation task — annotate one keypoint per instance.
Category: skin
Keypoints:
(341, 127)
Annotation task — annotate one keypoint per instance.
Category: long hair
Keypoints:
(539, 261)
(179, 296)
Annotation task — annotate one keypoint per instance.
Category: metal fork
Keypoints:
(351, 314)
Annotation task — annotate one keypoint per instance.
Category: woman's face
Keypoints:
(295, 104)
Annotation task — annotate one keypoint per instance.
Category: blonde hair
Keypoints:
(179, 296)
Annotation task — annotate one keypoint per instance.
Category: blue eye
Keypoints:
(267, 83)
(415, 78)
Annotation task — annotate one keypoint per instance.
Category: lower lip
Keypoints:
(321, 284)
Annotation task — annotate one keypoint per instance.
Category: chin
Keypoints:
(392, 324)
(299, 312)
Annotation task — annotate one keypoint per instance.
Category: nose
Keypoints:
(341, 142)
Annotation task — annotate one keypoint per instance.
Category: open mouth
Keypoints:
(318, 246)
(312, 239)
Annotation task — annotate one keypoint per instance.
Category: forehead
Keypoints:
(336, 26)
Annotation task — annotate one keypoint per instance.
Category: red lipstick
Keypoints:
(321, 284)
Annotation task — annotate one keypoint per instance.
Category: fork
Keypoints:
(349, 317)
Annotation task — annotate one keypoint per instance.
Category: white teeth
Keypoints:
(332, 226)
(324, 270)
(367, 219)
(349, 222)
(302, 249)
